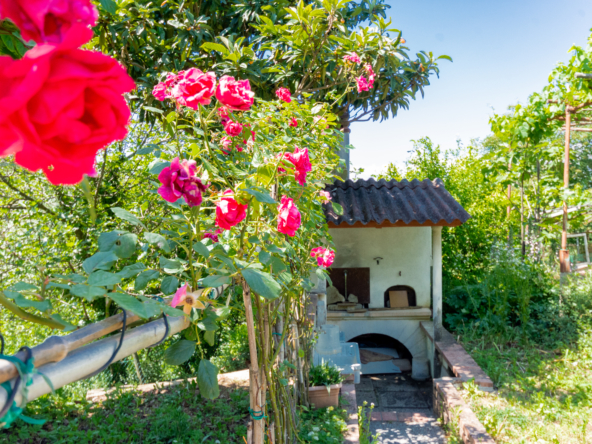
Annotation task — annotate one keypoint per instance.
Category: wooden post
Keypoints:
(258, 426)
(509, 208)
(564, 253)
(437, 295)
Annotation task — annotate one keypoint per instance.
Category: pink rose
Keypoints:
(371, 75)
(235, 94)
(194, 88)
(223, 114)
(59, 105)
(171, 79)
(301, 164)
(353, 57)
(293, 122)
(160, 91)
(180, 180)
(229, 212)
(283, 94)
(362, 84)
(213, 236)
(226, 143)
(49, 20)
(233, 128)
(288, 217)
(179, 295)
(325, 257)
(325, 196)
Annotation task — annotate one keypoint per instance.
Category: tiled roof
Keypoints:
(402, 203)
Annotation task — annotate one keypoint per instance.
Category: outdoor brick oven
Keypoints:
(389, 238)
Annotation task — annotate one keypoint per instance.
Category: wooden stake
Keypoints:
(563, 253)
(258, 426)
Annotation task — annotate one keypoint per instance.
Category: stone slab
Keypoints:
(403, 433)
(406, 400)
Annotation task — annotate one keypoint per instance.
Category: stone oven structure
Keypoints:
(388, 245)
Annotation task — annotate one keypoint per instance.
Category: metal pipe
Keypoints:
(56, 348)
(86, 360)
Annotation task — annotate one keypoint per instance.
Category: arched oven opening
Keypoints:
(382, 354)
(400, 296)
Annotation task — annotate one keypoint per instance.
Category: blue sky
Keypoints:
(502, 50)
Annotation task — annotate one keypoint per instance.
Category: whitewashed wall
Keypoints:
(404, 249)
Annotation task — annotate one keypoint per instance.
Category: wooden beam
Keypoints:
(399, 223)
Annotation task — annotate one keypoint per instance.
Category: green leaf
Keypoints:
(337, 208)
(170, 266)
(210, 337)
(172, 311)
(179, 352)
(215, 47)
(158, 240)
(103, 278)
(264, 257)
(67, 326)
(215, 281)
(131, 270)
(102, 260)
(159, 166)
(152, 109)
(145, 277)
(201, 249)
(109, 6)
(122, 243)
(107, 240)
(127, 216)
(87, 292)
(22, 286)
(262, 197)
(261, 283)
(125, 245)
(207, 379)
(23, 302)
(277, 265)
(169, 285)
(132, 304)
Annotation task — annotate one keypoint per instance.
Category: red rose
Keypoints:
(235, 94)
(288, 217)
(48, 20)
(301, 164)
(325, 257)
(59, 105)
(293, 122)
(229, 212)
(194, 88)
(284, 94)
(233, 128)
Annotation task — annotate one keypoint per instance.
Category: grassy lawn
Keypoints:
(179, 415)
(544, 386)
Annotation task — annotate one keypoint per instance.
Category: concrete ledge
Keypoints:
(456, 358)
(418, 313)
(451, 407)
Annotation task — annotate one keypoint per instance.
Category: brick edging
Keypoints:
(449, 405)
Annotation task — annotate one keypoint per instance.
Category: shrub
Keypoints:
(325, 374)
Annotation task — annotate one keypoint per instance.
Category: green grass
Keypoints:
(179, 415)
(544, 385)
